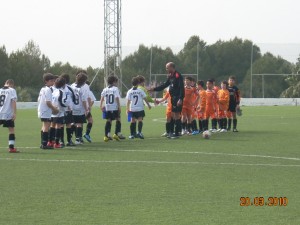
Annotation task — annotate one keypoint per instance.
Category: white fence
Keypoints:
(244, 101)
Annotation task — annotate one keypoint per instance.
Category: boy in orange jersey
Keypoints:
(223, 99)
(216, 89)
(170, 121)
(234, 102)
(188, 106)
(201, 105)
(195, 113)
(210, 107)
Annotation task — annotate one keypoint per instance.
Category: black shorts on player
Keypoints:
(79, 118)
(68, 117)
(112, 115)
(232, 107)
(175, 108)
(138, 114)
(7, 123)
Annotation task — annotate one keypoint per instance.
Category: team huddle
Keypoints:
(67, 107)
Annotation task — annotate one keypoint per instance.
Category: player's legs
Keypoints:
(11, 140)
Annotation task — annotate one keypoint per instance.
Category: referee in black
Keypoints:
(176, 88)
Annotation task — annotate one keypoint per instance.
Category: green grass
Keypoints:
(155, 181)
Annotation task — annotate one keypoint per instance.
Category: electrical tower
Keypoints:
(112, 40)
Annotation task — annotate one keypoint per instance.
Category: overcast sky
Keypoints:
(73, 30)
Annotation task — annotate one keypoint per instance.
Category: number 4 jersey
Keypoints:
(110, 94)
(7, 95)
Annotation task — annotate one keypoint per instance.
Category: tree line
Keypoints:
(219, 60)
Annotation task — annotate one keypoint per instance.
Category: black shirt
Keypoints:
(176, 85)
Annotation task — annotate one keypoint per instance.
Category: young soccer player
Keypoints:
(90, 121)
(201, 106)
(135, 104)
(61, 101)
(80, 108)
(45, 109)
(110, 96)
(189, 103)
(141, 86)
(234, 102)
(210, 109)
(8, 111)
(223, 100)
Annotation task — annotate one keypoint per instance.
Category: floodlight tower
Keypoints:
(112, 39)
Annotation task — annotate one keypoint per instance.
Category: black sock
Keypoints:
(205, 124)
(214, 123)
(107, 127)
(45, 138)
(200, 125)
(51, 134)
(234, 123)
(140, 126)
(172, 124)
(194, 125)
(11, 140)
(42, 137)
(229, 124)
(57, 135)
(79, 132)
(133, 128)
(62, 134)
(183, 124)
(69, 134)
(167, 127)
(178, 127)
(118, 127)
(189, 127)
(88, 128)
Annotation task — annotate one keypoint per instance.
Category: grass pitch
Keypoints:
(156, 180)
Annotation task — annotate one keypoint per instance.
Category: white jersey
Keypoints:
(81, 95)
(7, 96)
(60, 100)
(45, 96)
(110, 94)
(70, 95)
(136, 97)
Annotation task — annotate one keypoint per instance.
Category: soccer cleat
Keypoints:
(235, 130)
(164, 134)
(173, 136)
(223, 131)
(13, 150)
(131, 137)
(78, 142)
(57, 145)
(106, 139)
(70, 144)
(50, 144)
(213, 130)
(46, 147)
(87, 137)
(219, 130)
(140, 135)
(116, 137)
(121, 136)
(195, 132)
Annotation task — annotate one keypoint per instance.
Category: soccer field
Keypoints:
(156, 180)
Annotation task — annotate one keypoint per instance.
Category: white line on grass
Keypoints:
(144, 162)
(186, 152)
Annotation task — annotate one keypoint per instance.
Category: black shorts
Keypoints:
(79, 119)
(112, 115)
(7, 123)
(232, 106)
(46, 120)
(68, 117)
(175, 108)
(58, 120)
(138, 114)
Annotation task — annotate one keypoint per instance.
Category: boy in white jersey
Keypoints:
(135, 105)
(112, 109)
(61, 101)
(45, 109)
(80, 108)
(8, 110)
(89, 117)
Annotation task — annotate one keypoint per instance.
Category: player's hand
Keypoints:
(150, 89)
(103, 109)
(55, 111)
(179, 103)
(14, 117)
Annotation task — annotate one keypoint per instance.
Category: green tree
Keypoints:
(4, 66)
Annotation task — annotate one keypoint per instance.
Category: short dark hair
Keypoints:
(232, 77)
(66, 77)
(210, 81)
(135, 81)
(112, 79)
(10, 83)
(60, 82)
(48, 76)
(140, 78)
(81, 79)
(225, 82)
(201, 83)
(188, 78)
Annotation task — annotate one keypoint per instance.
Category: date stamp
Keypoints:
(262, 201)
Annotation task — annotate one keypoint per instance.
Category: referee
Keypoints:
(176, 88)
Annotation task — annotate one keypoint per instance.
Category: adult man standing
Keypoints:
(176, 88)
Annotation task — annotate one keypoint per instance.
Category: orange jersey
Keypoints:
(211, 99)
(223, 97)
(169, 104)
(189, 97)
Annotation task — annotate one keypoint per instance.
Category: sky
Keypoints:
(73, 30)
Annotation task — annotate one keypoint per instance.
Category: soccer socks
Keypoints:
(88, 128)
(205, 124)
(78, 132)
(229, 124)
(107, 128)
(140, 126)
(69, 134)
(133, 128)
(62, 134)
(184, 125)
(234, 123)
(11, 141)
(214, 123)
(194, 125)
(167, 127)
(172, 124)
(200, 125)
(45, 136)
(51, 134)
(57, 135)
(118, 127)
(177, 127)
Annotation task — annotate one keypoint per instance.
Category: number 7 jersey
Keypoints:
(110, 94)
(136, 97)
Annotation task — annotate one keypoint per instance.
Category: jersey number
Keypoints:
(135, 98)
(2, 100)
(110, 99)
